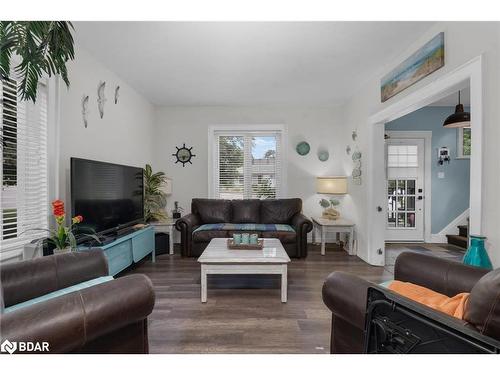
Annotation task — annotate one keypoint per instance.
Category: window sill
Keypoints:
(11, 254)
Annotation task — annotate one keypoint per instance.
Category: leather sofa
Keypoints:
(107, 318)
(346, 297)
(283, 213)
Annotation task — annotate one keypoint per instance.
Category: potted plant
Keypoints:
(155, 198)
(64, 238)
(43, 48)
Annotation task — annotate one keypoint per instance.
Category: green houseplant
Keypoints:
(64, 238)
(44, 47)
(155, 198)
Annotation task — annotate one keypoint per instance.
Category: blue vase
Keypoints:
(476, 254)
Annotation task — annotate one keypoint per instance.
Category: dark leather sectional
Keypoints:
(107, 318)
(346, 296)
(247, 211)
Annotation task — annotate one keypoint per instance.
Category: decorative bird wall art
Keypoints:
(117, 94)
(101, 98)
(85, 110)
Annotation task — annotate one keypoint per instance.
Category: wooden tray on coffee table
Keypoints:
(258, 246)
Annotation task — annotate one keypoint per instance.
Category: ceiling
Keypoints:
(452, 100)
(247, 63)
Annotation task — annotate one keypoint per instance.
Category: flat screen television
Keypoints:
(110, 197)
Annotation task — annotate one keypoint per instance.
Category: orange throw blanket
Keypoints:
(454, 306)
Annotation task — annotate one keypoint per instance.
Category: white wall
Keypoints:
(318, 126)
(463, 41)
(124, 135)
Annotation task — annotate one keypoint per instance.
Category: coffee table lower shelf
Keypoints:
(244, 269)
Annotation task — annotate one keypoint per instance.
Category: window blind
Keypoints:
(24, 170)
(248, 165)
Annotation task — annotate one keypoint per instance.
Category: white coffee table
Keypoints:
(217, 259)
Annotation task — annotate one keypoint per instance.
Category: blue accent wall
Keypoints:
(450, 196)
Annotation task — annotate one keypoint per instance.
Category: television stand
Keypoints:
(124, 231)
(126, 249)
(105, 240)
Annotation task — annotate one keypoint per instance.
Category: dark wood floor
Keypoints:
(244, 313)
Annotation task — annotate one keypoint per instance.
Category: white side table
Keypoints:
(166, 227)
(337, 226)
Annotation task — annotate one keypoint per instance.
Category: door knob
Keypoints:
(420, 197)
(379, 209)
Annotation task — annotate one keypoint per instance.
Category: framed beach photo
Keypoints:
(423, 62)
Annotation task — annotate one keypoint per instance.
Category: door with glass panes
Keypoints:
(405, 190)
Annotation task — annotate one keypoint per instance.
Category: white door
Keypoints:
(405, 189)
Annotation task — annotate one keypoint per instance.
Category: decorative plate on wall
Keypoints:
(303, 148)
(356, 173)
(183, 155)
(323, 155)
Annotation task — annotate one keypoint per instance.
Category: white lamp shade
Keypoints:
(331, 185)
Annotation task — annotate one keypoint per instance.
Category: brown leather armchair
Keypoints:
(244, 211)
(107, 318)
(346, 296)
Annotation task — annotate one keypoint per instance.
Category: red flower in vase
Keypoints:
(58, 208)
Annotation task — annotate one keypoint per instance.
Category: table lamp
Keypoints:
(336, 185)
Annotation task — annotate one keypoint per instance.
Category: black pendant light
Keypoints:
(460, 119)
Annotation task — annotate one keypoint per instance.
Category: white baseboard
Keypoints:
(438, 238)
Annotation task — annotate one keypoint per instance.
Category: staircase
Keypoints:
(460, 240)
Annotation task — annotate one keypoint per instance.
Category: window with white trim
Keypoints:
(402, 156)
(247, 164)
(23, 172)
(464, 143)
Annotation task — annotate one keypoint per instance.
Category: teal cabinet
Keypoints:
(128, 249)
(143, 244)
(119, 257)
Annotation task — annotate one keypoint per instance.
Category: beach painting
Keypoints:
(425, 61)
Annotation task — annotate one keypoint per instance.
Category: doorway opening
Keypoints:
(468, 75)
(428, 182)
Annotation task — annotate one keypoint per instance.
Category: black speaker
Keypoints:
(161, 243)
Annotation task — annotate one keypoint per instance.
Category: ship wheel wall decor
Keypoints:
(183, 155)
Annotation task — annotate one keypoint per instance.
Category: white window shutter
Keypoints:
(229, 167)
(247, 164)
(24, 170)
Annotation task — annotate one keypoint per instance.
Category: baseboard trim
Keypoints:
(438, 238)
